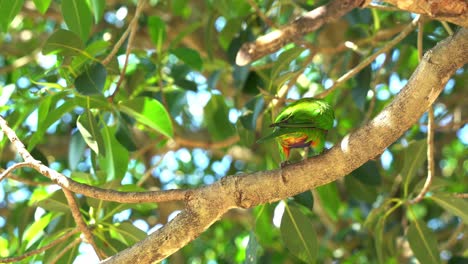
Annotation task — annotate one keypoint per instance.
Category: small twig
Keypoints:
(26, 181)
(133, 28)
(18, 63)
(430, 133)
(382, 7)
(12, 168)
(148, 173)
(190, 143)
(371, 58)
(462, 195)
(447, 27)
(75, 210)
(40, 250)
(454, 238)
(87, 190)
(261, 14)
(73, 244)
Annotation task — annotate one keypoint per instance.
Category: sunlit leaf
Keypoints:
(9, 9)
(78, 17)
(36, 229)
(299, 235)
(157, 31)
(189, 56)
(115, 160)
(423, 242)
(251, 250)
(284, 59)
(42, 5)
(415, 155)
(48, 114)
(149, 112)
(127, 233)
(454, 205)
(76, 150)
(90, 131)
(63, 42)
(97, 6)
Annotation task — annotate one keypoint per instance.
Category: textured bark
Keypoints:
(206, 205)
(454, 11)
(307, 23)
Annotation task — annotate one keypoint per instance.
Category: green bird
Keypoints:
(302, 124)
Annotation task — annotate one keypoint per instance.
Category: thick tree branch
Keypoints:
(454, 11)
(307, 23)
(206, 205)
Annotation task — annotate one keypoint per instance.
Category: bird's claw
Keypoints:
(285, 163)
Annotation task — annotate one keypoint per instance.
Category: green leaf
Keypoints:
(254, 109)
(36, 229)
(124, 136)
(93, 50)
(368, 174)
(98, 7)
(126, 233)
(359, 190)
(359, 92)
(157, 31)
(149, 112)
(414, 157)
(298, 234)
(284, 59)
(76, 150)
(423, 243)
(42, 5)
(454, 205)
(64, 42)
(216, 118)
(78, 17)
(251, 250)
(305, 199)
(48, 114)
(190, 56)
(89, 129)
(92, 80)
(55, 202)
(328, 195)
(9, 9)
(115, 160)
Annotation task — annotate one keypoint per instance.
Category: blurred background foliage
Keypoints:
(183, 115)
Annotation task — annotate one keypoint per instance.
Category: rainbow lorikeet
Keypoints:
(302, 124)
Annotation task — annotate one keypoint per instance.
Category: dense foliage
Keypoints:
(182, 115)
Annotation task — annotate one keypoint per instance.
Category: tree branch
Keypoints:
(41, 249)
(405, 32)
(207, 204)
(87, 190)
(454, 11)
(307, 23)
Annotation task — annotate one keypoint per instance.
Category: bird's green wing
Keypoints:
(306, 113)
